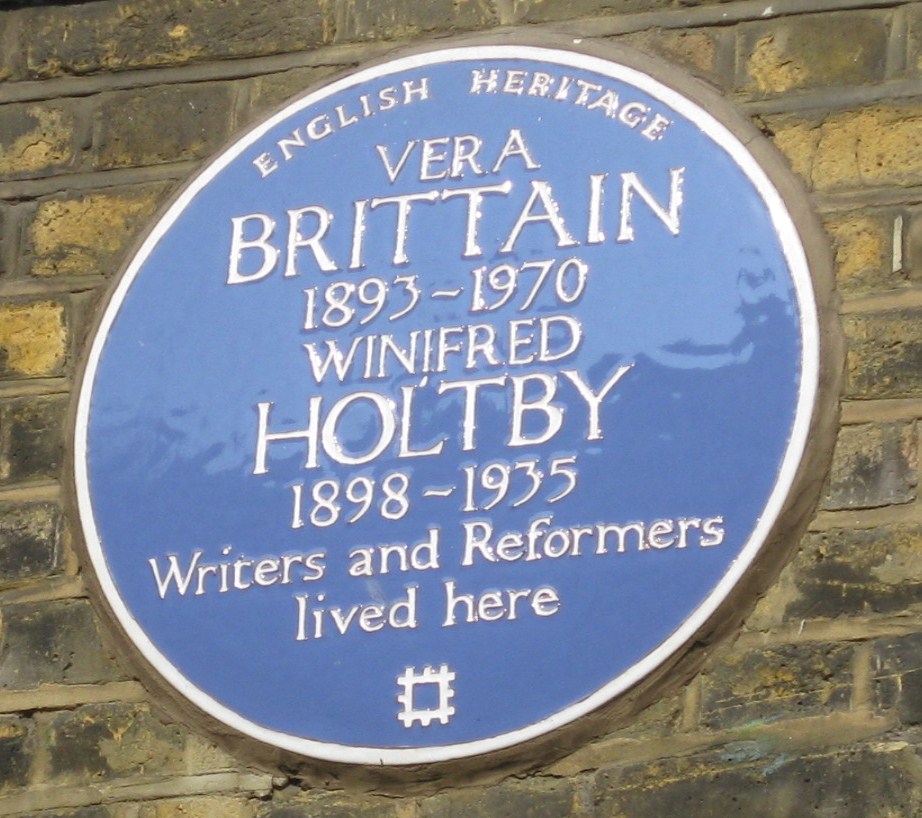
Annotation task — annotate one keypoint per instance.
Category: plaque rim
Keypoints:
(784, 200)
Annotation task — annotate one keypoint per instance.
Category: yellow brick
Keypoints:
(862, 250)
(78, 236)
(694, 48)
(772, 70)
(32, 338)
(39, 138)
(836, 163)
(202, 807)
(798, 143)
(874, 147)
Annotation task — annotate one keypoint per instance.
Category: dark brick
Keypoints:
(112, 35)
(5, 243)
(863, 783)
(898, 676)
(109, 740)
(272, 90)
(36, 138)
(914, 37)
(29, 542)
(542, 11)
(701, 51)
(31, 439)
(17, 746)
(531, 798)
(10, 219)
(53, 643)
(129, 128)
(9, 46)
(776, 682)
(912, 245)
(842, 572)
(874, 464)
(372, 19)
(782, 55)
(884, 354)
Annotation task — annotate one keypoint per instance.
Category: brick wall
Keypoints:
(814, 707)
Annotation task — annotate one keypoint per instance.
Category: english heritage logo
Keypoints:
(446, 404)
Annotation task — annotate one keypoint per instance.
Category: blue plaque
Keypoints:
(447, 404)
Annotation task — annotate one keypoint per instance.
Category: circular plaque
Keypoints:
(448, 403)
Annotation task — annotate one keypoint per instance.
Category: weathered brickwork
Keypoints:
(885, 354)
(843, 572)
(33, 338)
(771, 683)
(873, 465)
(53, 642)
(875, 147)
(898, 676)
(38, 138)
(705, 53)
(86, 234)
(119, 36)
(750, 778)
(779, 59)
(32, 440)
(862, 242)
(105, 741)
(812, 707)
(16, 749)
(128, 127)
(30, 542)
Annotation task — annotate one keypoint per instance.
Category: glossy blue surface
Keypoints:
(696, 428)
